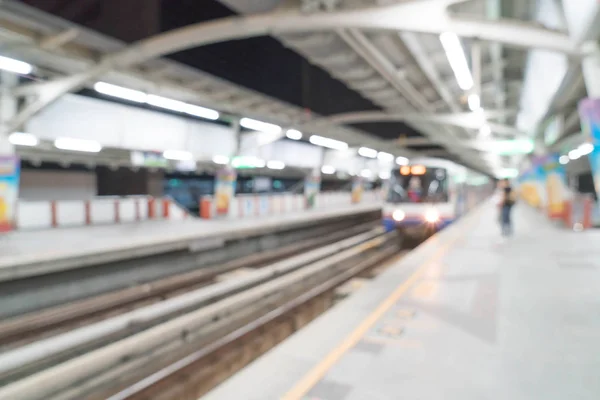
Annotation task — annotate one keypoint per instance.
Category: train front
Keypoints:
(418, 201)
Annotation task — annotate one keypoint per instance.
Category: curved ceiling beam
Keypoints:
(427, 16)
(468, 120)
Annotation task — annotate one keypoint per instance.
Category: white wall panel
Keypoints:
(117, 125)
(206, 139)
(79, 117)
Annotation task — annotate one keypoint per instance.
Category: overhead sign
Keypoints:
(506, 147)
(148, 159)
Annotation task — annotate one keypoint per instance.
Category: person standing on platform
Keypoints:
(507, 199)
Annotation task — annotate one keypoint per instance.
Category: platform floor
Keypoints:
(466, 316)
(66, 248)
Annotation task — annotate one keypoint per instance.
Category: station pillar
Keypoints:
(9, 163)
(591, 68)
(8, 109)
(589, 109)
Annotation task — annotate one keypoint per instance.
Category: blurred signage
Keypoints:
(148, 159)
(186, 166)
(9, 189)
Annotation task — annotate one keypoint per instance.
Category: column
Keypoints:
(8, 109)
(589, 109)
(591, 68)
(226, 177)
(9, 164)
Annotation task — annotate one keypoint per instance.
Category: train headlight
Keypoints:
(432, 216)
(398, 215)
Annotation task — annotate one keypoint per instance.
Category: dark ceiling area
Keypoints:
(262, 64)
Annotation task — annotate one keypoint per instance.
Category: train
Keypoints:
(429, 194)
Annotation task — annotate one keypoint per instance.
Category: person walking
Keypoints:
(507, 202)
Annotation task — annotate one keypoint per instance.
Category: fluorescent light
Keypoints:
(157, 101)
(474, 102)
(120, 92)
(275, 164)
(329, 143)
(574, 154)
(328, 169)
(178, 155)
(563, 160)
(366, 173)
(201, 112)
(16, 66)
(367, 152)
(223, 160)
(508, 173)
(383, 156)
(260, 126)
(456, 58)
(585, 149)
(293, 134)
(402, 160)
(88, 146)
(169, 104)
(383, 175)
(247, 162)
(23, 139)
(485, 131)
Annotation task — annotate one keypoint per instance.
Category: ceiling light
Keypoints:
(260, 126)
(293, 134)
(383, 175)
(275, 164)
(585, 149)
(456, 58)
(329, 143)
(178, 155)
(508, 173)
(474, 102)
(328, 169)
(222, 160)
(383, 156)
(201, 112)
(16, 66)
(23, 139)
(245, 162)
(169, 104)
(574, 154)
(402, 160)
(120, 92)
(367, 152)
(366, 173)
(88, 146)
(563, 160)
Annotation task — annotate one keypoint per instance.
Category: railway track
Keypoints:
(21, 330)
(133, 342)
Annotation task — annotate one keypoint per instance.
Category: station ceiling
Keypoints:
(342, 70)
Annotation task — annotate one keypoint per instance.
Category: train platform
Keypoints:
(29, 253)
(466, 315)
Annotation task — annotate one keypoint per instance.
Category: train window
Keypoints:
(427, 186)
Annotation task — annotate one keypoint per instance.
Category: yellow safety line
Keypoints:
(318, 372)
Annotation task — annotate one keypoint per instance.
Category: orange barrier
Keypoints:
(205, 208)
(578, 211)
(96, 211)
